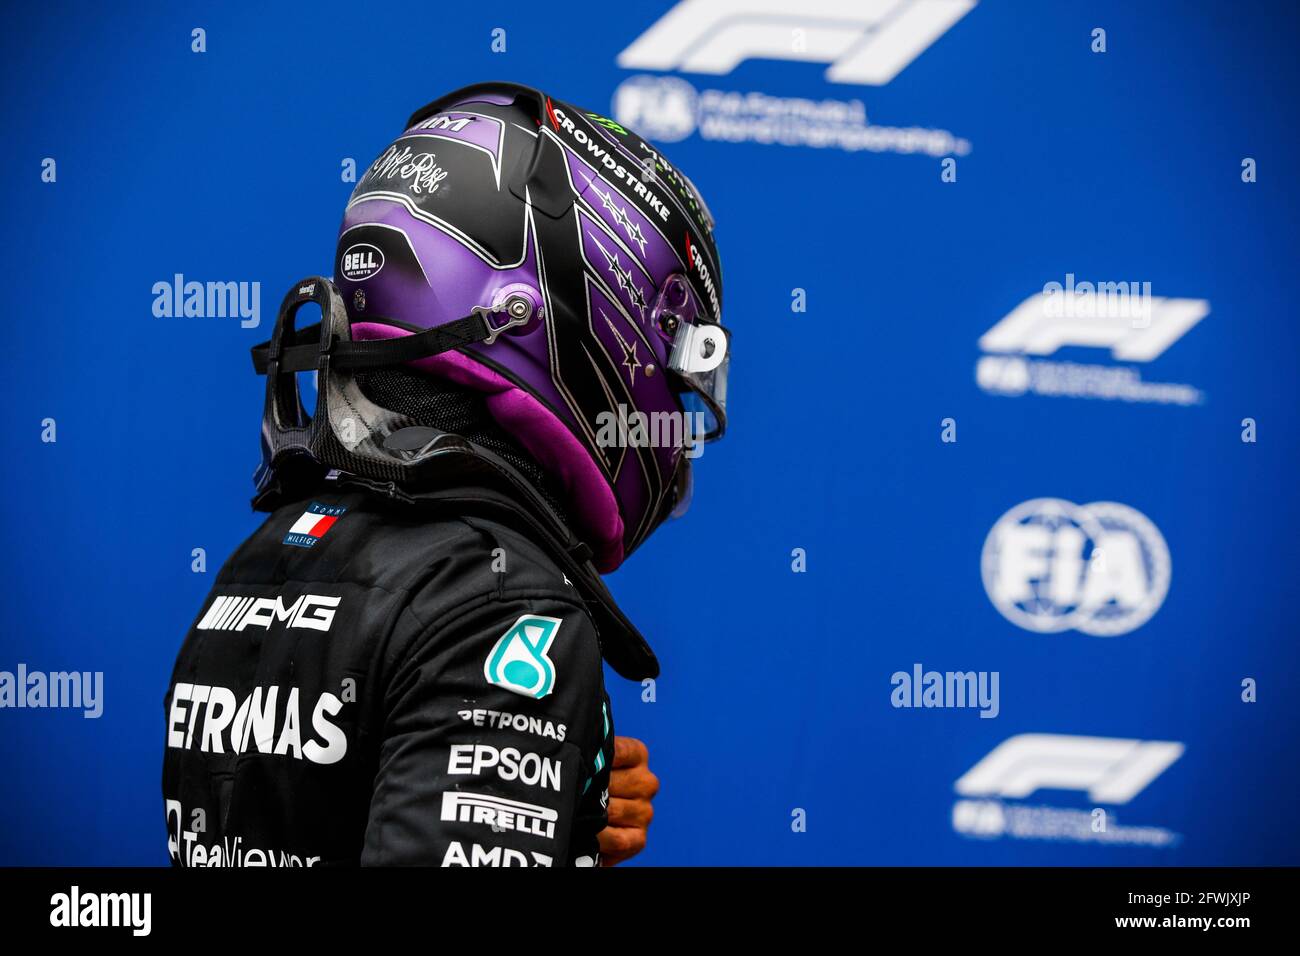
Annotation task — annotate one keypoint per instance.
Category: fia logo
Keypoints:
(518, 662)
(1051, 565)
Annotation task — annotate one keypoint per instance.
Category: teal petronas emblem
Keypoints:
(518, 661)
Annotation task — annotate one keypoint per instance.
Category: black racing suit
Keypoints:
(393, 686)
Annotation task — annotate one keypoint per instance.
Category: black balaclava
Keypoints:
(450, 408)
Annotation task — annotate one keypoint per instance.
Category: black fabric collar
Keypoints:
(521, 508)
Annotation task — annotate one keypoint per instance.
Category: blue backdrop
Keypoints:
(862, 273)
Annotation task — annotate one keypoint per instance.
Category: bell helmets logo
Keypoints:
(867, 43)
(1050, 565)
(1111, 769)
(518, 662)
(361, 261)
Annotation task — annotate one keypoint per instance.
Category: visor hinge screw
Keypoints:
(518, 307)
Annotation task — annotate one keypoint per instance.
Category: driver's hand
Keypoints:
(631, 788)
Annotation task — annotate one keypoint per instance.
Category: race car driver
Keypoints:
(517, 359)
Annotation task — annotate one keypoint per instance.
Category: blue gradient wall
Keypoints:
(772, 726)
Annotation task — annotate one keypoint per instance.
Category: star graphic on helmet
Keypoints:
(624, 277)
(630, 360)
(621, 217)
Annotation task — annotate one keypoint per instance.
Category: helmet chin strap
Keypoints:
(348, 432)
(479, 326)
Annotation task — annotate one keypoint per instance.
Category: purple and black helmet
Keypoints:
(596, 258)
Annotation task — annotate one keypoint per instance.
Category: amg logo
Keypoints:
(234, 613)
(444, 121)
(499, 813)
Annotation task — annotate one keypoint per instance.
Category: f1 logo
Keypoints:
(1111, 769)
(1037, 326)
(865, 41)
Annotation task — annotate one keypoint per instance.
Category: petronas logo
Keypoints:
(518, 661)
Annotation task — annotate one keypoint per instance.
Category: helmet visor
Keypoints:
(699, 355)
